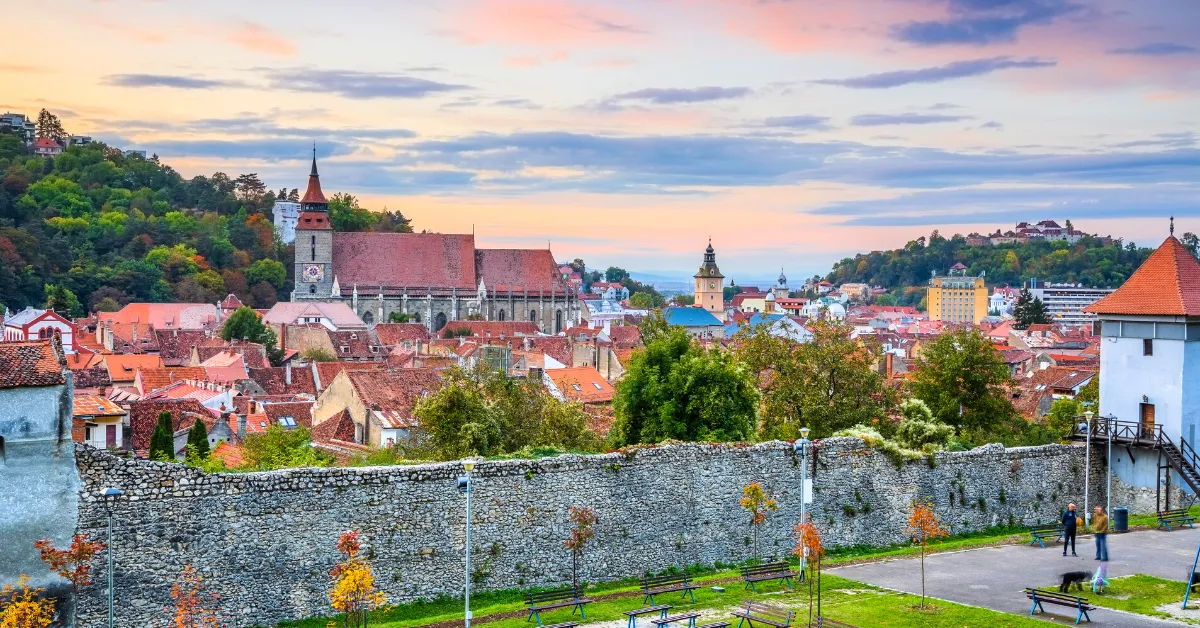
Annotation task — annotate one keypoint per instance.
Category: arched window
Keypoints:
(439, 321)
(312, 289)
(533, 316)
(45, 333)
(558, 321)
(416, 318)
(500, 315)
(368, 318)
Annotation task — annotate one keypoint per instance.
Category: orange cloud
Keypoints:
(544, 23)
(258, 38)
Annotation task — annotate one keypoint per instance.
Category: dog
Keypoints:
(1073, 578)
(1195, 582)
(1100, 580)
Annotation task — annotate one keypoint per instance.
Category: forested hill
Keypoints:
(1090, 262)
(93, 229)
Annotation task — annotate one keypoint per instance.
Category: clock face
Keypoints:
(711, 285)
(313, 273)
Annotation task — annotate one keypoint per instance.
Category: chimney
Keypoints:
(889, 364)
(241, 434)
(287, 373)
(608, 327)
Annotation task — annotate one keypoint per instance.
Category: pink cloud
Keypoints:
(534, 61)
(258, 38)
(555, 23)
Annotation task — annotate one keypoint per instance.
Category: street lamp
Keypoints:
(1087, 465)
(802, 449)
(464, 485)
(110, 497)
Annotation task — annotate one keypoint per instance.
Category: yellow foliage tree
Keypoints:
(923, 526)
(23, 607)
(810, 551)
(353, 591)
(756, 502)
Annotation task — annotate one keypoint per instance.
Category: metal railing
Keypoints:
(1135, 433)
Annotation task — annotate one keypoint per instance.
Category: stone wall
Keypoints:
(265, 541)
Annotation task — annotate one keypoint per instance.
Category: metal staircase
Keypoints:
(1182, 459)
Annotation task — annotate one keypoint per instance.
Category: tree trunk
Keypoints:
(922, 575)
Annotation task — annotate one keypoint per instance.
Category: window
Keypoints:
(1147, 346)
(576, 387)
(533, 316)
(598, 387)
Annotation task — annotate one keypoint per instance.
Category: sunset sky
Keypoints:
(628, 132)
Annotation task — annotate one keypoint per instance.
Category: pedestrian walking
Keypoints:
(1100, 530)
(1070, 524)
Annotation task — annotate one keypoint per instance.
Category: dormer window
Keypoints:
(344, 348)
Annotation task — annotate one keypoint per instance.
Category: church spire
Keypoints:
(314, 198)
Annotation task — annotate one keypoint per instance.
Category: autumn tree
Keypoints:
(24, 607)
(810, 551)
(756, 502)
(352, 590)
(193, 608)
(73, 563)
(923, 526)
(582, 532)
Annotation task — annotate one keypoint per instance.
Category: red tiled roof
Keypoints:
(39, 363)
(1166, 284)
(157, 379)
(493, 329)
(274, 380)
(46, 142)
(395, 333)
(392, 390)
(231, 455)
(95, 405)
(625, 336)
(301, 411)
(231, 302)
(254, 355)
(357, 345)
(326, 371)
(175, 345)
(414, 260)
(143, 416)
(123, 368)
(313, 194)
(557, 347)
(519, 269)
(337, 427)
(582, 383)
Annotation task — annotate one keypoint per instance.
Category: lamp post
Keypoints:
(802, 449)
(110, 497)
(1087, 465)
(1108, 488)
(464, 485)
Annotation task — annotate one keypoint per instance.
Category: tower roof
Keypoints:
(313, 195)
(1166, 284)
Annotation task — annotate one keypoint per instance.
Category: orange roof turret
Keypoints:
(313, 197)
(1166, 284)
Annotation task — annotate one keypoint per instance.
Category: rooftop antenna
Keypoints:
(1172, 226)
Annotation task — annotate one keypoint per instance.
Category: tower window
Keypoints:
(1147, 346)
(312, 289)
(314, 254)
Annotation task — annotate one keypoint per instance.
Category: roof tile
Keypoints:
(1166, 284)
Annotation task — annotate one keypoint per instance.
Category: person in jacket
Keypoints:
(1069, 525)
(1100, 530)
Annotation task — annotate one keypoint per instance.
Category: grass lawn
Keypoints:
(1142, 595)
(853, 602)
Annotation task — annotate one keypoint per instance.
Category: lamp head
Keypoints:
(804, 432)
(468, 465)
(1088, 415)
(111, 493)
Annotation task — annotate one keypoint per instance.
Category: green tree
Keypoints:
(885, 299)
(345, 214)
(1089, 395)
(317, 354)
(280, 448)
(198, 439)
(616, 275)
(919, 430)
(964, 381)
(48, 125)
(267, 270)
(246, 324)
(63, 301)
(674, 389)
(827, 384)
(683, 299)
(1029, 310)
(646, 300)
(162, 441)
(1064, 414)
(399, 317)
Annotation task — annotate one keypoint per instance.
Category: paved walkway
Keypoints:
(995, 577)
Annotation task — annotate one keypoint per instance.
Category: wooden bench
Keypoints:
(1178, 517)
(555, 598)
(1041, 596)
(768, 571)
(1043, 531)
(633, 615)
(662, 622)
(751, 612)
(654, 585)
(825, 622)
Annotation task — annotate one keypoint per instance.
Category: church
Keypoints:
(431, 277)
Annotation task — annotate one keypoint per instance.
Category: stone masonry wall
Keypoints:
(265, 541)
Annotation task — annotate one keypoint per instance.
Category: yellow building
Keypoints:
(957, 298)
(710, 285)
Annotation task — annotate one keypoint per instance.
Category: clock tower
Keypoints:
(314, 243)
(710, 285)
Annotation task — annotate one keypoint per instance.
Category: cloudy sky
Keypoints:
(628, 132)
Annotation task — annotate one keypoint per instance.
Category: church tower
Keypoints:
(710, 285)
(314, 243)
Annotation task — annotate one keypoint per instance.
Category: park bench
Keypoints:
(633, 615)
(664, 622)
(1178, 517)
(1043, 531)
(825, 622)
(752, 612)
(654, 585)
(1041, 596)
(556, 598)
(768, 571)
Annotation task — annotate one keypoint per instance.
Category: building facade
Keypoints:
(286, 214)
(431, 278)
(33, 324)
(957, 297)
(710, 285)
(1065, 302)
